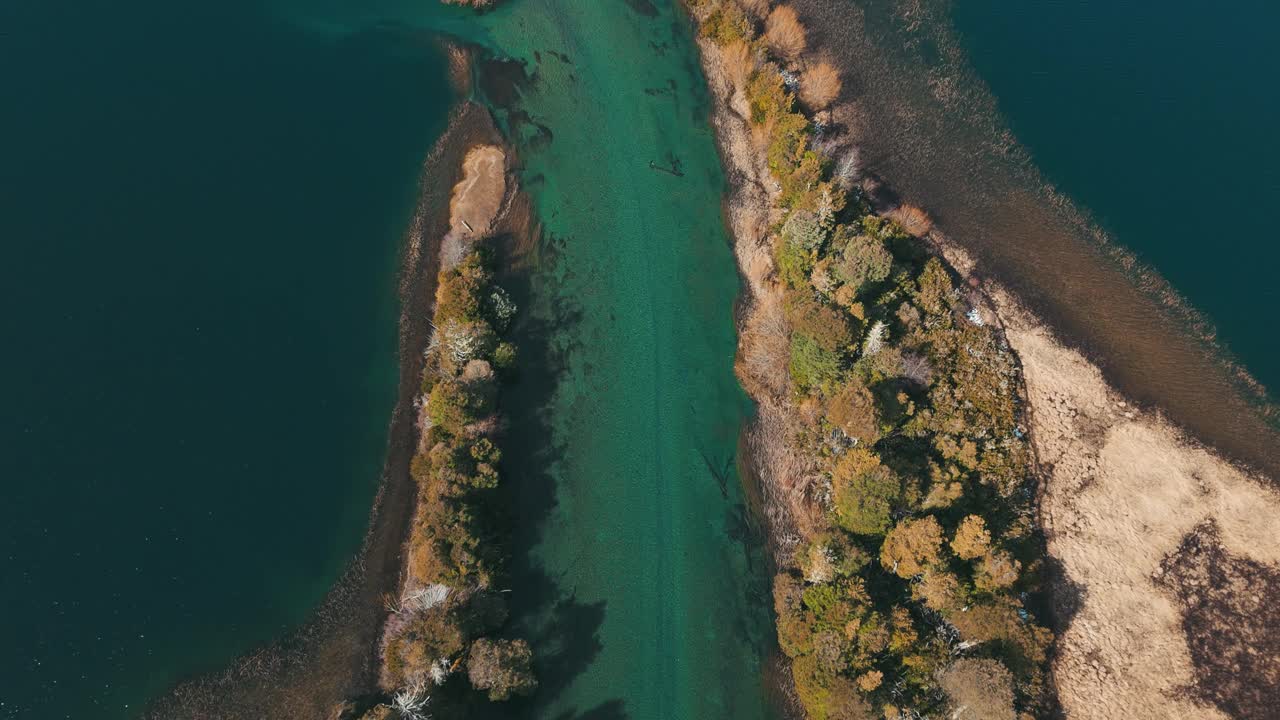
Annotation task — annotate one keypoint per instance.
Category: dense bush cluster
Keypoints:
(451, 607)
(922, 472)
(909, 598)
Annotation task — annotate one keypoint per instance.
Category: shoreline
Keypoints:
(1123, 495)
(332, 656)
(745, 209)
(929, 130)
(752, 212)
(1100, 459)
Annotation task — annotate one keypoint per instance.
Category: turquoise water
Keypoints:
(1162, 124)
(637, 574)
(199, 235)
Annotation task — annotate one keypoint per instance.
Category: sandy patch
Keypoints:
(1129, 506)
(478, 195)
(476, 201)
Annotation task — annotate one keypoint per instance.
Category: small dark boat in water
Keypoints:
(673, 170)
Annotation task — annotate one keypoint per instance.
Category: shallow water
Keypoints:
(199, 235)
(932, 130)
(638, 575)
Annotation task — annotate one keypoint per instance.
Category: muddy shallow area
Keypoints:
(926, 126)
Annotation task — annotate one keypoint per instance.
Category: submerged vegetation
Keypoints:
(478, 4)
(904, 590)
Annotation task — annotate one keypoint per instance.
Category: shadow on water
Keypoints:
(563, 631)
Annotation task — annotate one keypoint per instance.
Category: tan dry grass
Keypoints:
(739, 61)
(765, 349)
(820, 85)
(784, 34)
(1123, 491)
(912, 219)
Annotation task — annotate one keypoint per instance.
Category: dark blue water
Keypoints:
(200, 214)
(1161, 121)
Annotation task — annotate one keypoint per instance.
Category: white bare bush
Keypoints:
(917, 368)
(462, 344)
(412, 700)
(848, 168)
(876, 337)
(790, 80)
(821, 566)
(502, 306)
(440, 671)
(423, 598)
(454, 247)
(433, 342)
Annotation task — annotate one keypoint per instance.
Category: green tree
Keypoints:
(767, 96)
(825, 325)
(812, 366)
(864, 492)
(451, 406)
(459, 292)
(862, 260)
(935, 288)
(727, 24)
(788, 144)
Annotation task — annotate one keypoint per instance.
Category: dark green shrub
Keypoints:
(811, 366)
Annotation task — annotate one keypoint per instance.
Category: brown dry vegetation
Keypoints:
(740, 61)
(766, 348)
(784, 34)
(915, 220)
(820, 85)
(758, 8)
(979, 689)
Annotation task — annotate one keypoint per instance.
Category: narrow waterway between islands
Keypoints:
(637, 573)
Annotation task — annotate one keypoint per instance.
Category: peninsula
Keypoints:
(1029, 475)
